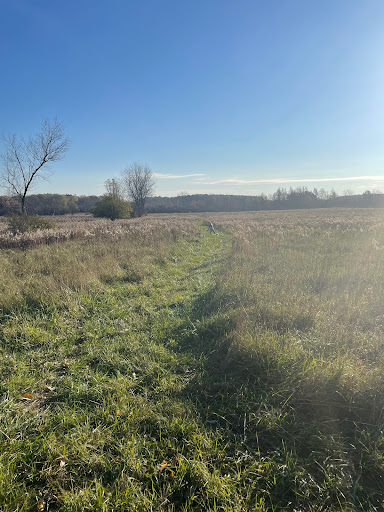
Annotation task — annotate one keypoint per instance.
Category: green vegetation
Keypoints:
(23, 223)
(168, 369)
(112, 207)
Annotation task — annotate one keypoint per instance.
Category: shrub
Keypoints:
(23, 223)
(112, 207)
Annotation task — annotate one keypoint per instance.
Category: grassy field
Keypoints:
(152, 366)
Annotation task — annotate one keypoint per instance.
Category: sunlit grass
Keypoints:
(183, 371)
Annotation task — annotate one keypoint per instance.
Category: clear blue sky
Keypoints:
(235, 96)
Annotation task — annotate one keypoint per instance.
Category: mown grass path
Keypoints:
(96, 411)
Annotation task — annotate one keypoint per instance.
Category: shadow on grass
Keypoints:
(261, 404)
(29, 305)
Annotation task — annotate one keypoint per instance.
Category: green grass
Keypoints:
(93, 393)
(234, 373)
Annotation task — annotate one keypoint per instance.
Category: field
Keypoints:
(148, 365)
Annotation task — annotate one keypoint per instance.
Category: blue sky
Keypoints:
(215, 96)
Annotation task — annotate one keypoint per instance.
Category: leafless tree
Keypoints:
(114, 188)
(25, 161)
(139, 184)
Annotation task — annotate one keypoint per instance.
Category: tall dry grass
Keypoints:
(85, 227)
(305, 290)
(95, 251)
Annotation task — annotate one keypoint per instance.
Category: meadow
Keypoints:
(149, 365)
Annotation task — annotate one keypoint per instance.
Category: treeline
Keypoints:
(282, 199)
(49, 204)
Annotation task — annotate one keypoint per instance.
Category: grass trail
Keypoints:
(94, 412)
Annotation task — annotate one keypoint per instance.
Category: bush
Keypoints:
(112, 207)
(23, 223)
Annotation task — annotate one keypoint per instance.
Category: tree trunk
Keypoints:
(23, 210)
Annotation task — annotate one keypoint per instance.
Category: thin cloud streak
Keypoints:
(291, 180)
(174, 176)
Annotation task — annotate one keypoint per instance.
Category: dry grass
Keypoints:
(301, 221)
(96, 251)
(305, 290)
(85, 227)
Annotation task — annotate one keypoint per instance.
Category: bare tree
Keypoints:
(114, 188)
(139, 184)
(25, 161)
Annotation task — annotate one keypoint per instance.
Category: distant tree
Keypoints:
(25, 161)
(71, 204)
(112, 206)
(322, 194)
(8, 205)
(86, 203)
(279, 195)
(114, 188)
(139, 184)
(52, 204)
(332, 194)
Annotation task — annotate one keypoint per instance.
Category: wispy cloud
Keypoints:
(374, 185)
(174, 176)
(292, 180)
